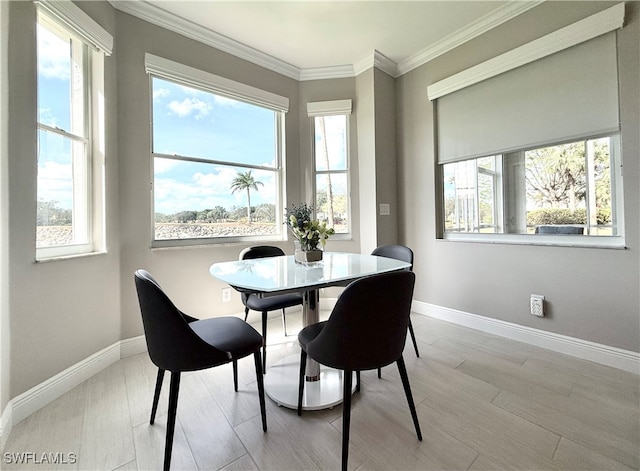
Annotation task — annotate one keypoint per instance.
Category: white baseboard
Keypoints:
(5, 425)
(22, 406)
(584, 349)
(132, 346)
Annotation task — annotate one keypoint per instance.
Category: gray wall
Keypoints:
(5, 352)
(64, 311)
(591, 294)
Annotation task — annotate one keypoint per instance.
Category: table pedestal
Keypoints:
(311, 315)
(323, 387)
(281, 385)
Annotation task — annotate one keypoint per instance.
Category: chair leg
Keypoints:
(407, 390)
(264, 342)
(303, 366)
(379, 373)
(413, 338)
(357, 381)
(156, 395)
(284, 322)
(246, 313)
(171, 418)
(260, 379)
(346, 416)
(235, 375)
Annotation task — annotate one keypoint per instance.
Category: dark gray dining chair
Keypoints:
(367, 329)
(254, 302)
(404, 254)
(177, 342)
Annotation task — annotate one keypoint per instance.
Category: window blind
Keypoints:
(565, 96)
(167, 69)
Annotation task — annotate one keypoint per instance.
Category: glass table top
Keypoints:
(273, 274)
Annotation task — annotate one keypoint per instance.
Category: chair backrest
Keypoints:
(398, 252)
(260, 251)
(171, 343)
(558, 229)
(367, 328)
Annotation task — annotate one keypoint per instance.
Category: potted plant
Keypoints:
(310, 234)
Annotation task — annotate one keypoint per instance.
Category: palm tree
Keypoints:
(245, 181)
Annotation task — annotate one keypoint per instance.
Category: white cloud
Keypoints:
(163, 165)
(160, 93)
(190, 106)
(206, 190)
(53, 55)
(55, 183)
(225, 102)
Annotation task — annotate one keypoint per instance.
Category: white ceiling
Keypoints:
(333, 36)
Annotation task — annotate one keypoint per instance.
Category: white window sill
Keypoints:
(581, 241)
(57, 258)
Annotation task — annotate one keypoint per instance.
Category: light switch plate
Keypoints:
(384, 209)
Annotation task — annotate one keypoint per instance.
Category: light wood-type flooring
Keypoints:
(484, 403)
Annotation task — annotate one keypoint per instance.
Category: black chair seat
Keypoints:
(177, 342)
(271, 303)
(309, 333)
(367, 329)
(229, 334)
(265, 304)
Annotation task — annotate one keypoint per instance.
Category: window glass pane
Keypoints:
(460, 196)
(561, 189)
(332, 204)
(54, 78)
(486, 202)
(331, 142)
(200, 200)
(58, 223)
(195, 123)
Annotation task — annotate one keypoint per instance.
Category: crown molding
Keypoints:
(378, 60)
(322, 73)
(171, 22)
(158, 16)
(469, 32)
(591, 27)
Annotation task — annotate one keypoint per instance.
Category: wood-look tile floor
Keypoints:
(484, 403)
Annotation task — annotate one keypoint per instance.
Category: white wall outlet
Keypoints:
(385, 210)
(537, 305)
(226, 295)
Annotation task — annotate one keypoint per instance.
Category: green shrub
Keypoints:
(546, 216)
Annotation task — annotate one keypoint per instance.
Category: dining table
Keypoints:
(279, 275)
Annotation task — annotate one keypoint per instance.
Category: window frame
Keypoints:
(95, 43)
(566, 240)
(328, 109)
(180, 74)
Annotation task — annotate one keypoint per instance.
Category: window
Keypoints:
(330, 123)
(528, 142)
(217, 155)
(70, 132)
(563, 189)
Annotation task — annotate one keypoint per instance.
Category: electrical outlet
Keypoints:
(226, 295)
(537, 305)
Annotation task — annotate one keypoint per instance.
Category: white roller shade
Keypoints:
(165, 68)
(328, 108)
(570, 94)
(79, 22)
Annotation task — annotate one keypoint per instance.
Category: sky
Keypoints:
(217, 131)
